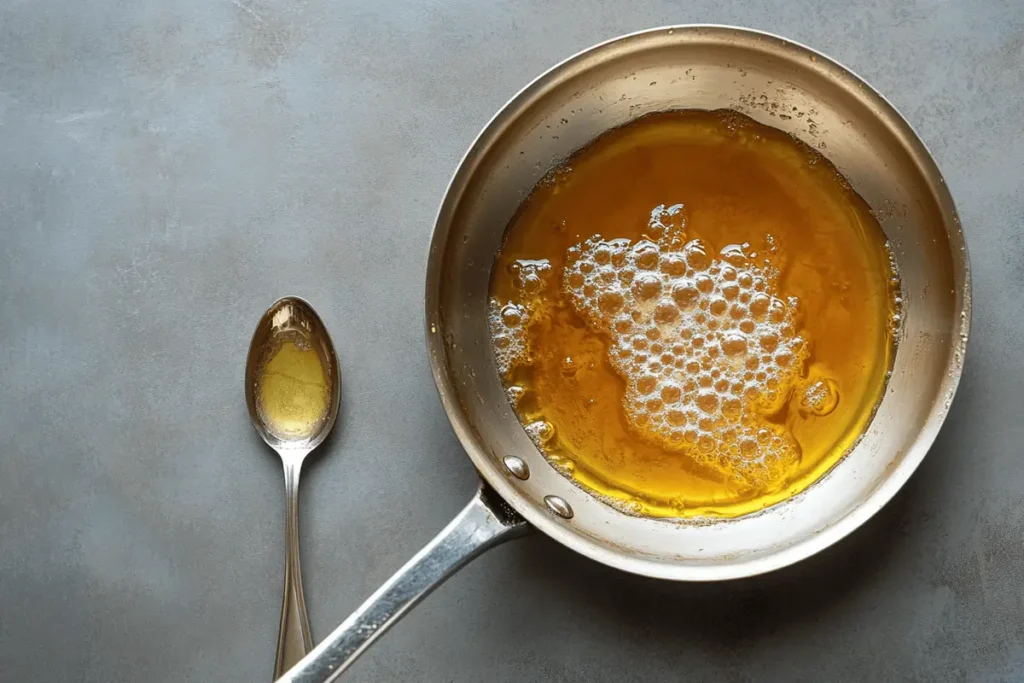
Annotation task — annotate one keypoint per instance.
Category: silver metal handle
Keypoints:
(483, 524)
(293, 638)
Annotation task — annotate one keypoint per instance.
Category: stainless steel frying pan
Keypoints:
(703, 67)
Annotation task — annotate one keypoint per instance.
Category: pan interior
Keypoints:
(694, 315)
(702, 68)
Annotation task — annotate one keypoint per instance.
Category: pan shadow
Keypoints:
(720, 616)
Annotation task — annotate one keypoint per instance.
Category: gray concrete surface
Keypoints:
(167, 169)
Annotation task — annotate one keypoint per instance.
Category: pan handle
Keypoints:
(484, 523)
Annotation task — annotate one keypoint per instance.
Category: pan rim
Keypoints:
(772, 558)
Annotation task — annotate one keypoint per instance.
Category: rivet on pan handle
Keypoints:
(484, 523)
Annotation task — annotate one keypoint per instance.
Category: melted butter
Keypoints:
(693, 316)
(292, 390)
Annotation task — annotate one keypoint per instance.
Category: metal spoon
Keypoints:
(291, 320)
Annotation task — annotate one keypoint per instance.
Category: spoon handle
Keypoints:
(294, 639)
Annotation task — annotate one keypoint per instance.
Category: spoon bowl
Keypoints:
(292, 390)
(291, 319)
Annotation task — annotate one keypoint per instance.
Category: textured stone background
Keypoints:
(167, 169)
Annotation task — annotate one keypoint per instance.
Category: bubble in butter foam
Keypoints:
(508, 334)
(508, 323)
